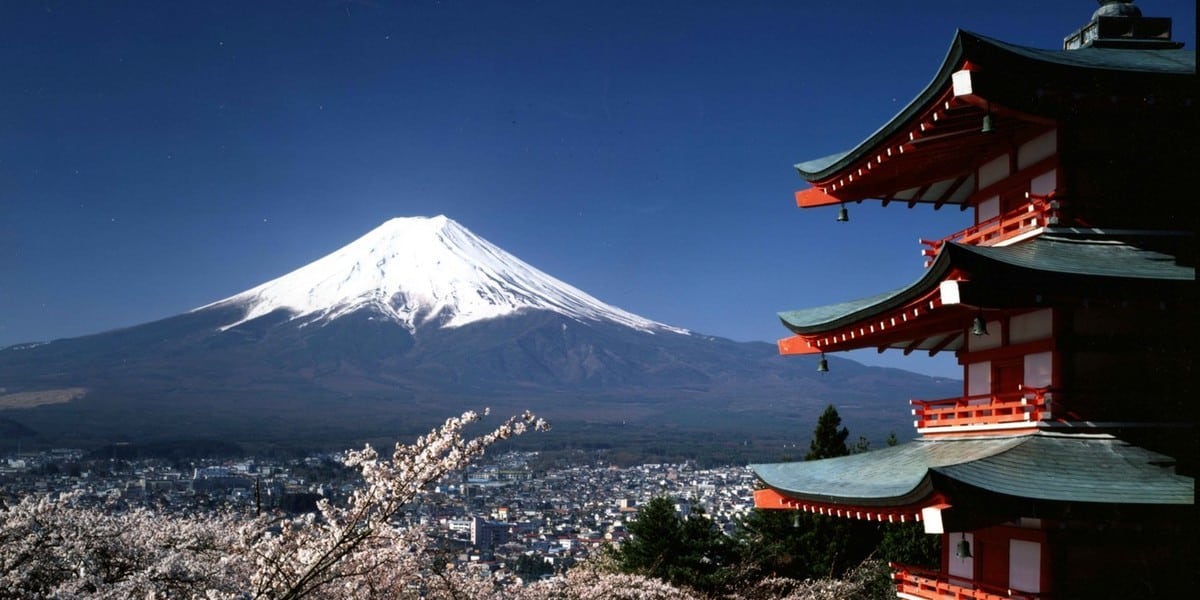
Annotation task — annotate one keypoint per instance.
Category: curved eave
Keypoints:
(932, 313)
(1077, 468)
(830, 166)
(883, 478)
(890, 477)
(914, 317)
(771, 499)
(1098, 258)
(823, 319)
(929, 151)
(1042, 466)
(973, 47)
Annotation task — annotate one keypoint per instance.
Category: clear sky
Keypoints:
(157, 156)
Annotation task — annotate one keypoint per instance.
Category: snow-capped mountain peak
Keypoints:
(417, 269)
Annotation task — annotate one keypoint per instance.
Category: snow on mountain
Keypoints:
(419, 269)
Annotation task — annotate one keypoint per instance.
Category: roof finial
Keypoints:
(1120, 24)
(1117, 8)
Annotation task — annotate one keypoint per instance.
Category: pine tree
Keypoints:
(828, 441)
(804, 545)
(655, 539)
(689, 552)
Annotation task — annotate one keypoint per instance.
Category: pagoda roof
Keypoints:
(1046, 466)
(1059, 262)
(1025, 89)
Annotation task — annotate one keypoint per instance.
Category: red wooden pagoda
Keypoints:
(1066, 467)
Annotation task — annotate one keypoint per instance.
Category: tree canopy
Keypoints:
(681, 550)
(828, 441)
(804, 545)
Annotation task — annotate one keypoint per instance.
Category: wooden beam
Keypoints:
(949, 193)
(815, 196)
(913, 345)
(941, 345)
(796, 345)
(946, 133)
(769, 499)
(920, 192)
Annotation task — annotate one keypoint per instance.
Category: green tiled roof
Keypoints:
(1078, 468)
(1057, 258)
(820, 318)
(1041, 466)
(1098, 65)
(1142, 60)
(1090, 257)
(824, 314)
(897, 475)
(817, 165)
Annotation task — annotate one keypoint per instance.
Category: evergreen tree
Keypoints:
(805, 545)
(689, 552)
(908, 543)
(655, 539)
(828, 441)
(530, 567)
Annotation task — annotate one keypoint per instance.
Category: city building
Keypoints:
(1066, 467)
(488, 535)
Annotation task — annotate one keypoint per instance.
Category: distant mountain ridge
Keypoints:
(420, 319)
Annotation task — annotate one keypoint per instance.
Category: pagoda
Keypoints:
(1066, 467)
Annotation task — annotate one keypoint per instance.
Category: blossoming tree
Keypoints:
(66, 547)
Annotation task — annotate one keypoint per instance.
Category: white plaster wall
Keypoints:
(1045, 183)
(961, 567)
(985, 342)
(1042, 146)
(979, 378)
(987, 209)
(1031, 326)
(993, 171)
(1025, 565)
(1039, 369)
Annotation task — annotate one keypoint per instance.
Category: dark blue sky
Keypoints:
(157, 156)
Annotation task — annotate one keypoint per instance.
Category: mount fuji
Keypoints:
(416, 271)
(415, 321)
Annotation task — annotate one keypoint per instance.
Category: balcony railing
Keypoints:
(989, 411)
(1040, 211)
(913, 582)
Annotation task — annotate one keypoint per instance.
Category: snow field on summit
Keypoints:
(417, 269)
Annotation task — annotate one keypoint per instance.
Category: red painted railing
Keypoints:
(915, 582)
(1040, 211)
(1025, 407)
